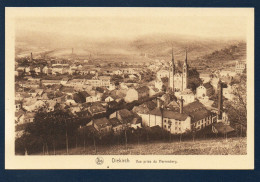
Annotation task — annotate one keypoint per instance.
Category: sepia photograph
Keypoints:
(130, 86)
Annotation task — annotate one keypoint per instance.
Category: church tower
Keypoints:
(185, 73)
(172, 73)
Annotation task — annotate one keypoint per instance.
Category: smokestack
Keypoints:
(220, 100)
(181, 105)
(31, 58)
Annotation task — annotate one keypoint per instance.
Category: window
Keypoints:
(164, 126)
(175, 128)
(176, 123)
(165, 120)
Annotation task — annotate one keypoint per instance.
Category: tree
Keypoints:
(50, 128)
(193, 79)
(237, 108)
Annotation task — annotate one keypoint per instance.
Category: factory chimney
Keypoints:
(220, 100)
(181, 106)
(31, 58)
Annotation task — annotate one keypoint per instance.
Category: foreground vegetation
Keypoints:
(219, 146)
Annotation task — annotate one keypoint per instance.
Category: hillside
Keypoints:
(230, 53)
(154, 46)
(233, 146)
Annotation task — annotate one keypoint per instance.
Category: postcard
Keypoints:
(129, 88)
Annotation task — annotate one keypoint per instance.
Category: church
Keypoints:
(178, 81)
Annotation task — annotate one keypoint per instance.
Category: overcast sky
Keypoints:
(132, 26)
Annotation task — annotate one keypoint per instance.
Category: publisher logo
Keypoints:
(99, 160)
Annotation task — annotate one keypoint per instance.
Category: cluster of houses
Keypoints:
(177, 110)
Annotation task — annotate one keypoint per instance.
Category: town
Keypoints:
(96, 100)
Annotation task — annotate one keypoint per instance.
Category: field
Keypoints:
(231, 146)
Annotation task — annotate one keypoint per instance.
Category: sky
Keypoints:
(132, 26)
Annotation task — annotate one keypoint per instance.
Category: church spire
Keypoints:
(173, 71)
(185, 72)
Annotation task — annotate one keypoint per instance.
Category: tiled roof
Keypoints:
(115, 122)
(143, 89)
(207, 85)
(124, 113)
(221, 128)
(156, 112)
(197, 111)
(174, 115)
(102, 122)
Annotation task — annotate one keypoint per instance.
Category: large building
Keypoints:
(240, 67)
(178, 81)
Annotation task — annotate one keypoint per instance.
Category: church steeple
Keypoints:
(171, 74)
(185, 72)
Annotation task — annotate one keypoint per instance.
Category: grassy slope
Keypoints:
(233, 146)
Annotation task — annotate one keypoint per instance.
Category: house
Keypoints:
(50, 82)
(158, 84)
(166, 98)
(118, 72)
(123, 86)
(29, 117)
(94, 96)
(102, 125)
(19, 117)
(187, 96)
(240, 67)
(32, 93)
(64, 81)
(200, 115)
(205, 77)
(228, 92)
(39, 92)
(136, 122)
(176, 121)
(153, 91)
(221, 128)
(205, 90)
(117, 126)
(137, 94)
(60, 99)
(37, 70)
(105, 81)
(32, 104)
(75, 82)
(75, 109)
(226, 73)
(67, 90)
(112, 86)
(18, 105)
(173, 121)
(111, 98)
(50, 105)
(96, 109)
(70, 101)
(127, 118)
